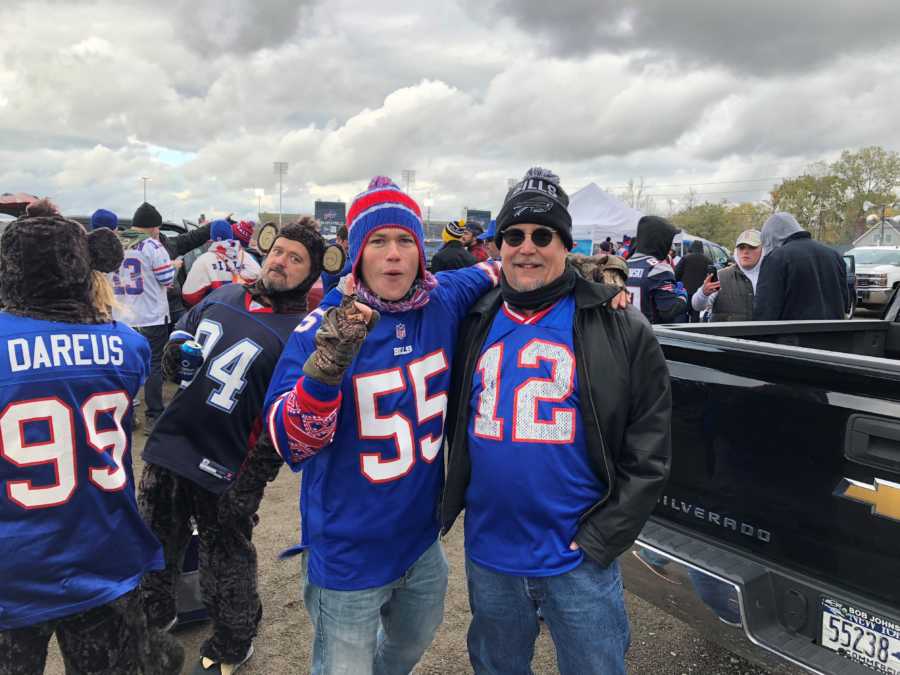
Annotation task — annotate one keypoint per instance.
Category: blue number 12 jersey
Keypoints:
(71, 537)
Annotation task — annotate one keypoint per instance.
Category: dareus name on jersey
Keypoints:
(56, 350)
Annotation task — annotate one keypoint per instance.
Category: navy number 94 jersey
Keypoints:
(71, 537)
(208, 429)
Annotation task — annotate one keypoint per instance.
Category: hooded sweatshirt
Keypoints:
(800, 278)
(777, 229)
(651, 280)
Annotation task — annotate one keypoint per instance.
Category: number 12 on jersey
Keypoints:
(526, 427)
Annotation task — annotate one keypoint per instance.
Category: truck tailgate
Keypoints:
(792, 458)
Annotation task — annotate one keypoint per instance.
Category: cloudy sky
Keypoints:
(203, 95)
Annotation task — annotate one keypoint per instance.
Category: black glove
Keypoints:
(242, 498)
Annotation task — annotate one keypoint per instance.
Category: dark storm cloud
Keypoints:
(214, 27)
(759, 37)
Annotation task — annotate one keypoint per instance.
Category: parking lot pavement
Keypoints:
(659, 644)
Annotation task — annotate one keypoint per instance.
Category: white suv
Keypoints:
(877, 273)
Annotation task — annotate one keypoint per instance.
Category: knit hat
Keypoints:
(146, 216)
(243, 230)
(474, 227)
(537, 198)
(452, 231)
(383, 204)
(220, 230)
(294, 300)
(104, 218)
(46, 262)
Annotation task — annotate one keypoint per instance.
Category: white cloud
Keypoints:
(204, 96)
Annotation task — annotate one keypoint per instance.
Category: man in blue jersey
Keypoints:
(651, 279)
(197, 456)
(358, 404)
(559, 447)
(73, 547)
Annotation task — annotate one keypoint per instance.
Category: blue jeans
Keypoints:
(584, 610)
(380, 631)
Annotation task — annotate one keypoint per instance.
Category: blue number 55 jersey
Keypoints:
(71, 537)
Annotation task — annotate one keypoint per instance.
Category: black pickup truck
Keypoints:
(778, 534)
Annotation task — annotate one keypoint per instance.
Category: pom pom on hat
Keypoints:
(383, 204)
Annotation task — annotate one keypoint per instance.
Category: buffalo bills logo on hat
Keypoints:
(532, 206)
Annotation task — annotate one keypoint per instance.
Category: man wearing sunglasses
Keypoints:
(558, 427)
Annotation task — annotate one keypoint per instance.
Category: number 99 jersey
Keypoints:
(71, 537)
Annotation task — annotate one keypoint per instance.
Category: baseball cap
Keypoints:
(750, 238)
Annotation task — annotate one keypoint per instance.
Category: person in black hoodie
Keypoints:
(453, 255)
(800, 278)
(651, 279)
(691, 271)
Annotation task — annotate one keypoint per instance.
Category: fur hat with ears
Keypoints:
(46, 265)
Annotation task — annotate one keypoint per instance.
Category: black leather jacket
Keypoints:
(626, 406)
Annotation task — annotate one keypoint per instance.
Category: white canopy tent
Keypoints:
(596, 215)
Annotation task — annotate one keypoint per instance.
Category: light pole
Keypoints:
(281, 169)
(429, 202)
(260, 193)
(145, 179)
(409, 178)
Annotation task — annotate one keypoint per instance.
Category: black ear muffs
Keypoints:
(105, 250)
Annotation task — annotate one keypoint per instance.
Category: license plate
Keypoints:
(861, 636)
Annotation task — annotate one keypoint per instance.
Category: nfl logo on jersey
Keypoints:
(400, 331)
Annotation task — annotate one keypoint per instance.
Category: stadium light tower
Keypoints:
(260, 193)
(429, 202)
(281, 169)
(409, 178)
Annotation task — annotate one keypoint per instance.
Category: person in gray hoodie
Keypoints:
(800, 278)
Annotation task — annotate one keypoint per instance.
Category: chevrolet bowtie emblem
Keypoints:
(883, 496)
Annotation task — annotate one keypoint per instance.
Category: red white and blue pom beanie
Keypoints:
(383, 204)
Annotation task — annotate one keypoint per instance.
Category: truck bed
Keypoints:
(785, 482)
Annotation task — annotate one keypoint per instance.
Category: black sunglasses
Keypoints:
(540, 237)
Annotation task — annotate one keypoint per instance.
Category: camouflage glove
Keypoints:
(612, 270)
(171, 361)
(338, 340)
